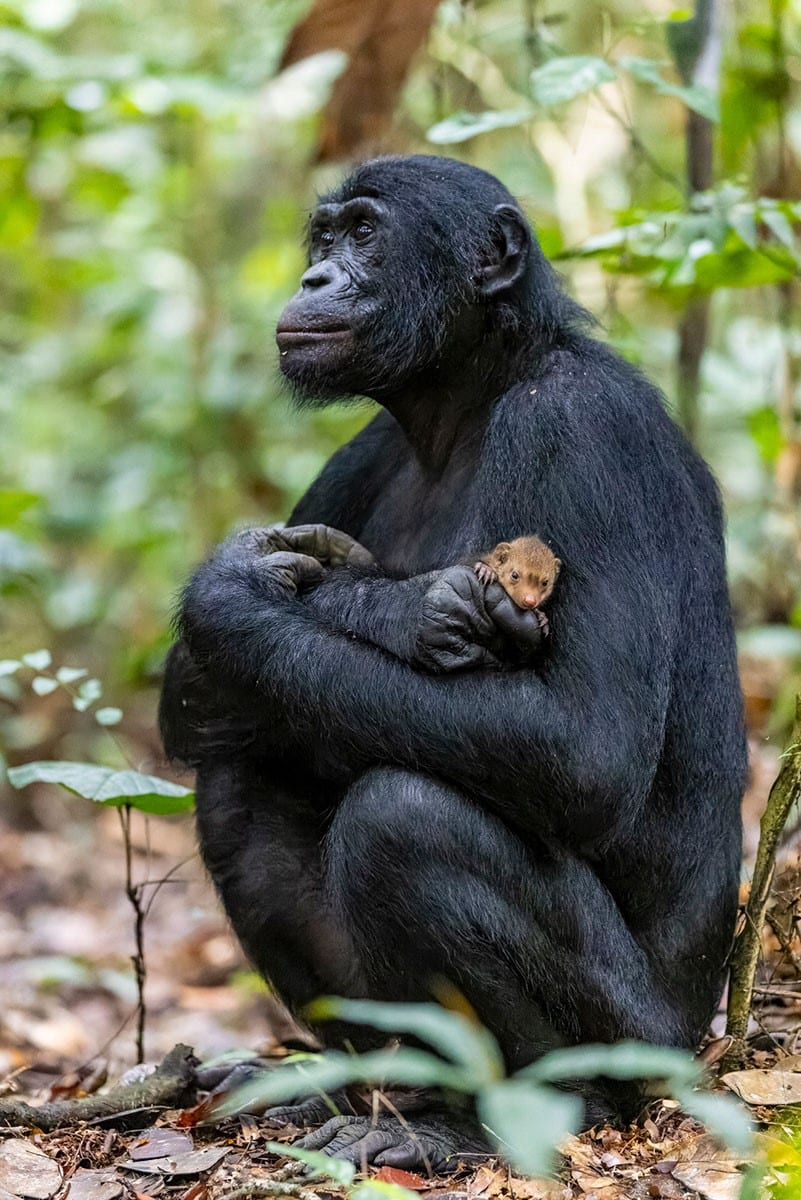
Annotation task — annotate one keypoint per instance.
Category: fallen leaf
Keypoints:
(713, 1180)
(776, 1086)
(192, 1163)
(27, 1171)
(95, 1185)
(160, 1143)
(487, 1181)
(589, 1182)
(405, 1179)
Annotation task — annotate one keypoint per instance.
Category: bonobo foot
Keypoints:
(430, 1142)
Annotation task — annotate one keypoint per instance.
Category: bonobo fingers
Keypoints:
(310, 1111)
(330, 546)
(455, 631)
(430, 1143)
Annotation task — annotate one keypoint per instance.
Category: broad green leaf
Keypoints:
(334, 1070)
(108, 716)
(43, 686)
(463, 125)
(528, 1122)
(743, 221)
(721, 1115)
(14, 504)
(647, 71)
(9, 666)
(564, 78)
(765, 429)
(463, 1041)
(623, 1060)
(779, 226)
(321, 1165)
(104, 785)
(39, 660)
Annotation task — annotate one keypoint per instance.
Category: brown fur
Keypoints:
(526, 569)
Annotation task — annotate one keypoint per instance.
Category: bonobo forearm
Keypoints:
(371, 608)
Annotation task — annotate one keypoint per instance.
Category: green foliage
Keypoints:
(320, 1165)
(104, 785)
(525, 1114)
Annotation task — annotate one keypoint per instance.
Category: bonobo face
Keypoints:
(327, 334)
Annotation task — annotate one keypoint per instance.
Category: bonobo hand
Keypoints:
(465, 624)
(329, 546)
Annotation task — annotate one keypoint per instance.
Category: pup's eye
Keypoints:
(514, 576)
(545, 582)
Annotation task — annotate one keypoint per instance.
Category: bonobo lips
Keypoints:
(290, 334)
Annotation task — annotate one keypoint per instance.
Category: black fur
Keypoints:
(562, 844)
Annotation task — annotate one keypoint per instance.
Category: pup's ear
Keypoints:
(502, 552)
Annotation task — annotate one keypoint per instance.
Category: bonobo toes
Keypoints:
(312, 1110)
(431, 1142)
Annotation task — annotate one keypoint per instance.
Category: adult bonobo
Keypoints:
(560, 842)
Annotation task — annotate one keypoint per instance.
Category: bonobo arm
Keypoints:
(573, 750)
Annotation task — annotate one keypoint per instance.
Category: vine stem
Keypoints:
(786, 791)
(134, 893)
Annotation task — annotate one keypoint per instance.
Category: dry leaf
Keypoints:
(95, 1185)
(777, 1086)
(713, 1180)
(380, 40)
(160, 1143)
(404, 1179)
(192, 1163)
(27, 1171)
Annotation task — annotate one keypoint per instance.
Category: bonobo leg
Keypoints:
(432, 889)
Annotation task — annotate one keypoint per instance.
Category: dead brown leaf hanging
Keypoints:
(380, 39)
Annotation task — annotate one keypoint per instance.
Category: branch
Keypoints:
(786, 791)
(171, 1084)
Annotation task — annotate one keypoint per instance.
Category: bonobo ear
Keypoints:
(506, 261)
(502, 551)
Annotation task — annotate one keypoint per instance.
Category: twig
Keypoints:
(784, 943)
(785, 792)
(134, 893)
(268, 1187)
(170, 1085)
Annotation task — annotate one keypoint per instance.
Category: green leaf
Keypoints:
(779, 226)
(451, 1033)
(40, 660)
(104, 785)
(765, 429)
(321, 1165)
(623, 1060)
(463, 125)
(9, 666)
(43, 686)
(528, 1122)
(108, 716)
(700, 99)
(14, 504)
(743, 221)
(721, 1115)
(564, 78)
(326, 1074)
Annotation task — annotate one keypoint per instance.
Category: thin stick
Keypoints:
(786, 791)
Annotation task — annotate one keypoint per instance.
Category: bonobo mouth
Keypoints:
(294, 335)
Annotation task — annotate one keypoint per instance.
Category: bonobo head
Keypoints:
(415, 265)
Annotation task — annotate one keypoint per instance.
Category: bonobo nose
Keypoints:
(321, 274)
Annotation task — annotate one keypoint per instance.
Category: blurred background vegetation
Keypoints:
(157, 162)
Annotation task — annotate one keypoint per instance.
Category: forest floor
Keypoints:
(67, 1003)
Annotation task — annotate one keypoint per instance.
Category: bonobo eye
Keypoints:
(362, 231)
(515, 576)
(326, 236)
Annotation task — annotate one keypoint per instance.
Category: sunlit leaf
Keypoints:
(104, 785)
(464, 125)
(646, 70)
(321, 1165)
(623, 1060)
(9, 666)
(70, 674)
(528, 1122)
(451, 1033)
(564, 78)
(108, 716)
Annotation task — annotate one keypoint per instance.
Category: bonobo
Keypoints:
(561, 843)
(526, 569)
